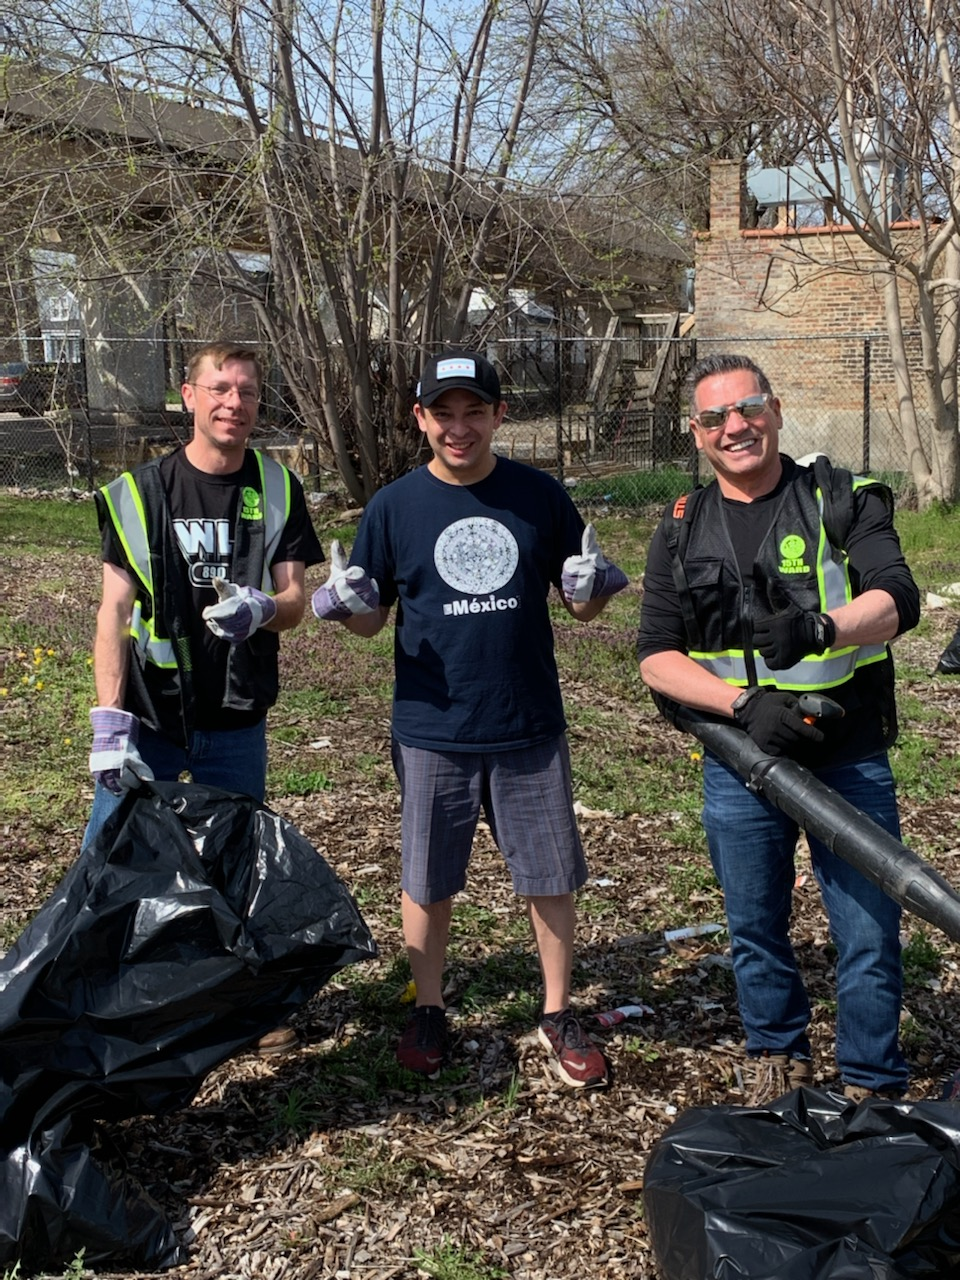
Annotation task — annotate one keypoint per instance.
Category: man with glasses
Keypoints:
(204, 553)
(775, 579)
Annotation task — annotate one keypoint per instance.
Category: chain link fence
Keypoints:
(608, 416)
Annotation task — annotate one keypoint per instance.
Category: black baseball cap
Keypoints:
(466, 370)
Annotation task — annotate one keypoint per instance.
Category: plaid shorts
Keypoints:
(527, 798)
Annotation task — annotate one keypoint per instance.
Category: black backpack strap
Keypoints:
(836, 486)
(676, 529)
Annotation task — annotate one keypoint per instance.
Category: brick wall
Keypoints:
(800, 302)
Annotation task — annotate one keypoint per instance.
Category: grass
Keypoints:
(634, 489)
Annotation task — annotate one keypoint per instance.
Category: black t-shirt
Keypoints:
(204, 512)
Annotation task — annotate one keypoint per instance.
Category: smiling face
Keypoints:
(745, 454)
(224, 403)
(459, 427)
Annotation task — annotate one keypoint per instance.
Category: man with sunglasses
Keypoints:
(773, 580)
(204, 557)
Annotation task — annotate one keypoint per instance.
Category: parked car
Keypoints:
(32, 390)
(11, 375)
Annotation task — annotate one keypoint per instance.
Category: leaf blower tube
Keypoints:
(822, 812)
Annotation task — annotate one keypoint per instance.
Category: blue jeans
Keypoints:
(752, 849)
(232, 759)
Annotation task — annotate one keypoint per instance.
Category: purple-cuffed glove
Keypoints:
(589, 575)
(239, 611)
(114, 758)
(346, 591)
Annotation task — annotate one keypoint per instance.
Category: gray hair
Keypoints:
(725, 362)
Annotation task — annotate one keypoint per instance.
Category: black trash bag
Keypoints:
(196, 922)
(949, 664)
(810, 1187)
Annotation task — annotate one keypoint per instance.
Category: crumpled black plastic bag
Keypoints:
(949, 664)
(196, 922)
(810, 1187)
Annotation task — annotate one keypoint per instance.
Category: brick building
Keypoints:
(806, 302)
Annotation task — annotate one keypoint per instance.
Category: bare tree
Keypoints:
(650, 94)
(873, 83)
(861, 92)
(371, 152)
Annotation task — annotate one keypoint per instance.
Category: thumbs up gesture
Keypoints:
(347, 591)
(590, 574)
(239, 611)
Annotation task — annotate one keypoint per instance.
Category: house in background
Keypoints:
(801, 294)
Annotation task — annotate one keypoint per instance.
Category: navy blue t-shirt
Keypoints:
(471, 567)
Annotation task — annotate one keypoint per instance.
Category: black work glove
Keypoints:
(774, 721)
(783, 638)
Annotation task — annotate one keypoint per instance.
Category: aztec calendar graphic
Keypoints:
(476, 555)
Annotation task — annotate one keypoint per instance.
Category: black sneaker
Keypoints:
(423, 1045)
(578, 1061)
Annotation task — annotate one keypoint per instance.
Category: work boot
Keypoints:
(770, 1075)
(281, 1040)
(859, 1093)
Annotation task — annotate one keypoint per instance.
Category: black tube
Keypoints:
(823, 813)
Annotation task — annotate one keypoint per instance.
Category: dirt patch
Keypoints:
(329, 1163)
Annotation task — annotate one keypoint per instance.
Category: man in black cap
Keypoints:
(469, 546)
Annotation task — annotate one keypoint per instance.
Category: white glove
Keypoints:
(589, 575)
(114, 758)
(239, 611)
(346, 591)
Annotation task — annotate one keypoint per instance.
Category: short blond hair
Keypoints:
(218, 353)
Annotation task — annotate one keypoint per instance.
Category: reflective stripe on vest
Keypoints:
(130, 525)
(823, 671)
(275, 487)
(129, 520)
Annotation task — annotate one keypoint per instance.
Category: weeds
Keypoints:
(456, 1262)
(921, 960)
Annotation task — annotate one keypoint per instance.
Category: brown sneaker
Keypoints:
(423, 1045)
(771, 1075)
(578, 1061)
(282, 1040)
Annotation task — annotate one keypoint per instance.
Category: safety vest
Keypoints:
(137, 507)
(132, 503)
(798, 562)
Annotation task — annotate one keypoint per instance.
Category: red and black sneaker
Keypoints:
(578, 1061)
(423, 1045)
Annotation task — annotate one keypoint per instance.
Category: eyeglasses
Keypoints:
(749, 407)
(221, 391)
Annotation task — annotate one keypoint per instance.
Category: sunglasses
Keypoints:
(749, 407)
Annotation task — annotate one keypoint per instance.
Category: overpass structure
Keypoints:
(152, 195)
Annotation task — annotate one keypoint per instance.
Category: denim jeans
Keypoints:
(752, 850)
(232, 759)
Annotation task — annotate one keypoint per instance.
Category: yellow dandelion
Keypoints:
(695, 755)
(4, 692)
(68, 742)
(39, 684)
(37, 650)
(37, 661)
(25, 679)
